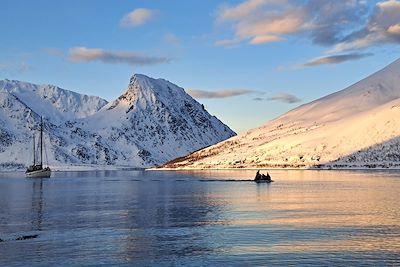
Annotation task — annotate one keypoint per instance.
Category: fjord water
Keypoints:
(147, 218)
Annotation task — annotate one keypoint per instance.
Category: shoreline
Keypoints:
(278, 169)
(81, 168)
(92, 168)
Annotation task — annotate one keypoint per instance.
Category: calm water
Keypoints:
(139, 218)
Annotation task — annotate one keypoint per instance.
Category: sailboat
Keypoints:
(36, 170)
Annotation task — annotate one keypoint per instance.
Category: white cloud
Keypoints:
(138, 17)
(261, 21)
(336, 59)
(262, 39)
(81, 54)
(271, 24)
(218, 94)
(359, 43)
(242, 10)
(84, 54)
(285, 97)
(394, 29)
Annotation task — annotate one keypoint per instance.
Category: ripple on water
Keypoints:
(201, 218)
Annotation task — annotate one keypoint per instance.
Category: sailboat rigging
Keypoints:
(37, 170)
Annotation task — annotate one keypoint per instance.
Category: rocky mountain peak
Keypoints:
(144, 92)
(159, 87)
(138, 79)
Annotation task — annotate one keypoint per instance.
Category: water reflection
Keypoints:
(175, 218)
(37, 204)
(166, 218)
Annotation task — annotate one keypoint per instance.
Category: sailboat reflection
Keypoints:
(37, 204)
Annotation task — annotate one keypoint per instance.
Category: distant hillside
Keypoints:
(358, 127)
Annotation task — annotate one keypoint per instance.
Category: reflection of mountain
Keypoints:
(353, 127)
(152, 122)
(169, 213)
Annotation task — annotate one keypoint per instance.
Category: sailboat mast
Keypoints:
(34, 152)
(41, 141)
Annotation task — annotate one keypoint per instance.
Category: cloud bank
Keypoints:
(84, 54)
(343, 26)
(382, 27)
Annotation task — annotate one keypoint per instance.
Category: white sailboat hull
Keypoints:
(39, 174)
(37, 170)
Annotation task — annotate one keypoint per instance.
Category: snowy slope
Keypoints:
(152, 122)
(53, 102)
(160, 119)
(356, 127)
(16, 120)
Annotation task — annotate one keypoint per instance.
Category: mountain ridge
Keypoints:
(53, 101)
(142, 129)
(323, 133)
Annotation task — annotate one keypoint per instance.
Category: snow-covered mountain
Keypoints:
(152, 122)
(357, 127)
(160, 118)
(53, 102)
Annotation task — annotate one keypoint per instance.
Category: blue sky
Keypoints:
(247, 61)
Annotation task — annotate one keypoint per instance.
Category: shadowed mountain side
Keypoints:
(381, 156)
(384, 155)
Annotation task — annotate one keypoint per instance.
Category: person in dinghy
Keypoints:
(262, 178)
